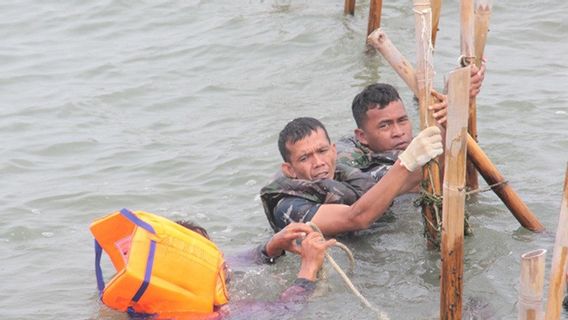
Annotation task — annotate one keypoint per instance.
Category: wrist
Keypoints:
(270, 256)
(308, 272)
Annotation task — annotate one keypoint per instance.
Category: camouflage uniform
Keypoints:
(348, 185)
(352, 153)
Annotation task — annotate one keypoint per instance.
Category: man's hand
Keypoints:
(313, 253)
(440, 108)
(424, 147)
(285, 239)
(477, 76)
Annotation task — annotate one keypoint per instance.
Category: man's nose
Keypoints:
(397, 130)
(318, 160)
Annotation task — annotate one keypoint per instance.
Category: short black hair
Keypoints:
(297, 130)
(377, 95)
(193, 227)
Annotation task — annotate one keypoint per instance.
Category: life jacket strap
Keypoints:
(149, 263)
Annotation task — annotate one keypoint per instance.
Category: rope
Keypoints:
(489, 187)
(381, 315)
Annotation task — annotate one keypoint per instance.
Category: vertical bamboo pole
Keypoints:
(532, 285)
(436, 9)
(557, 283)
(467, 52)
(482, 15)
(380, 41)
(451, 282)
(375, 11)
(349, 7)
(424, 77)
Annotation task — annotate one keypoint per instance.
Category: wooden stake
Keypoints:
(482, 15)
(436, 9)
(349, 7)
(380, 41)
(375, 9)
(453, 206)
(557, 283)
(424, 78)
(532, 285)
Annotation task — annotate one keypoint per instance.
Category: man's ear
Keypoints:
(360, 135)
(288, 170)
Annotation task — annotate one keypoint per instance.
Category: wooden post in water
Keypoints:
(375, 11)
(436, 9)
(424, 78)
(557, 283)
(349, 7)
(532, 285)
(451, 282)
(482, 15)
(468, 57)
(380, 41)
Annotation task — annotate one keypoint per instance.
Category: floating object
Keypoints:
(161, 266)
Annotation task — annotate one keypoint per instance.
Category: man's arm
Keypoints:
(336, 218)
(313, 253)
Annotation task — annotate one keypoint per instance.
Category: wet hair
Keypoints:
(297, 130)
(193, 227)
(377, 95)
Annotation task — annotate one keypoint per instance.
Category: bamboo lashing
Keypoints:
(349, 7)
(453, 207)
(532, 285)
(424, 78)
(557, 283)
(380, 41)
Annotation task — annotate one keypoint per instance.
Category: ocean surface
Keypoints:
(174, 107)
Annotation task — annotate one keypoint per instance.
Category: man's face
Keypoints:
(386, 129)
(311, 158)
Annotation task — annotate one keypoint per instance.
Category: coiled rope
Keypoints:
(380, 314)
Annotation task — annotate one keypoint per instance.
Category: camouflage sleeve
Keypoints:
(379, 171)
(294, 209)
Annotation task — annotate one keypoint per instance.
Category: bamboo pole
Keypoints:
(502, 188)
(532, 285)
(380, 41)
(482, 15)
(451, 282)
(468, 57)
(424, 78)
(375, 11)
(436, 9)
(557, 283)
(349, 7)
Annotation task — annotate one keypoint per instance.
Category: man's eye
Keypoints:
(383, 126)
(302, 159)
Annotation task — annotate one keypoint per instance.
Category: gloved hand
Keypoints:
(424, 147)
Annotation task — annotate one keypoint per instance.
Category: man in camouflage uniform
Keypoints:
(337, 198)
(383, 127)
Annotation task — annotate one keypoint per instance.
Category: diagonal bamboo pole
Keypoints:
(532, 285)
(436, 9)
(381, 42)
(349, 7)
(424, 77)
(557, 282)
(451, 282)
(375, 11)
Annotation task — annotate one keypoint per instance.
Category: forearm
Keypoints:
(373, 204)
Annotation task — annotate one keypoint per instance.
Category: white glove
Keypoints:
(423, 148)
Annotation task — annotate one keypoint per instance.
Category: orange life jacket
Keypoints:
(161, 266)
